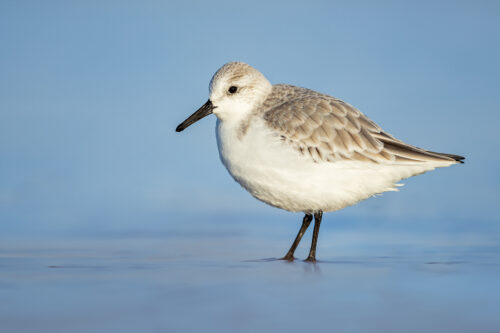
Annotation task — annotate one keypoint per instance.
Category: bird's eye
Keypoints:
(232, 89)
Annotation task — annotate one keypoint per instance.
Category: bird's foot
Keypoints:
(288, 257)
(311, 259)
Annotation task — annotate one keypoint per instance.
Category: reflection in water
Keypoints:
(195, 284)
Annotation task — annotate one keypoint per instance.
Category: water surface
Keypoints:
(230, 283)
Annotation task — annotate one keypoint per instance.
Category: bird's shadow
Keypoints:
(307, 266)
(298, 260)
(265, 260)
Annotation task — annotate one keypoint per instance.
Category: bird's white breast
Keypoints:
(274, 172)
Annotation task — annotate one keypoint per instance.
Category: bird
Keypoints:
(304, 151)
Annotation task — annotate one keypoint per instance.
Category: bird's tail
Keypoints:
(458, 158)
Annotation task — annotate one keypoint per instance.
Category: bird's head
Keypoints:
(235, 90)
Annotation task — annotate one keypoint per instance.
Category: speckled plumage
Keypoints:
(301, 150)
(329, 129)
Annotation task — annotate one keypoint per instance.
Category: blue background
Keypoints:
(91, 92)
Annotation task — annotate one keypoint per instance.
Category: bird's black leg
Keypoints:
(317, 222)
(305, 224)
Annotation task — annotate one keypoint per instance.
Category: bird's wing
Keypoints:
(328, 129)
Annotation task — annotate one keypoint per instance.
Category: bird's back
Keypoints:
(328, 129)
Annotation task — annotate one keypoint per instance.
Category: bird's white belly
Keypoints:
(275, 173)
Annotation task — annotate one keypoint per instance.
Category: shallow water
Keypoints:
(228, 283)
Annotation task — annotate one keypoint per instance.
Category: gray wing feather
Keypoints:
(328, 129)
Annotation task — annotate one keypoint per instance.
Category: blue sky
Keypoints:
(91, 92)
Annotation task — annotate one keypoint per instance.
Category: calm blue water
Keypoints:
(198, 279)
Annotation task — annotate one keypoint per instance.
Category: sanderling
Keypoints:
(304, 151)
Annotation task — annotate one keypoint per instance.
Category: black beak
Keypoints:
(202, 112)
